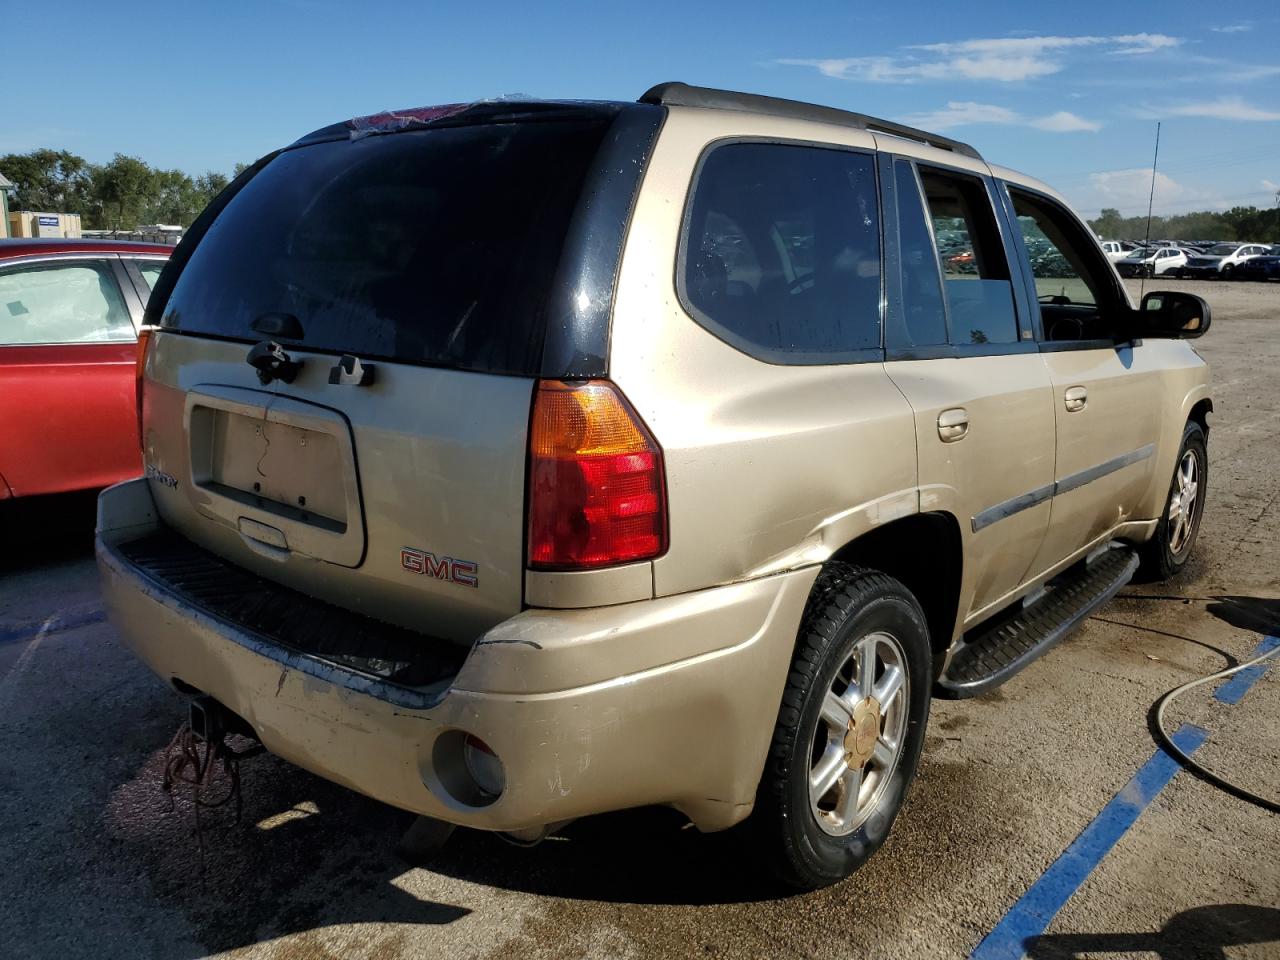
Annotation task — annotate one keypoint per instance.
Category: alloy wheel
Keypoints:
(1183, 502)
(860, 734)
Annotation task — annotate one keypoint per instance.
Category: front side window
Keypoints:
(75, 302)
(1075, 301)
(781, 256)
(979, 292)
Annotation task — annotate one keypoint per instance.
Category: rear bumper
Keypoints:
(666, 701)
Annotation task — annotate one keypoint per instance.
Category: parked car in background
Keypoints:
(70, 311)
(1114, 250)
(1151, 262)
(1221, 261)
(1265, 266)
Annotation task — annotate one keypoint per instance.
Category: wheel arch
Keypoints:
(1200, 413)
(924, 552)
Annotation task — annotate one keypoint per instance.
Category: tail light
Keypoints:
(139, 369)
(596, 480)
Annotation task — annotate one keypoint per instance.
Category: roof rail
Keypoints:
(683, 95)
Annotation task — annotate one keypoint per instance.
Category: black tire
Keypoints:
(1163, 556)
(847, 604)
(1228, 272)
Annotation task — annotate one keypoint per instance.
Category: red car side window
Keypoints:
(69, 302)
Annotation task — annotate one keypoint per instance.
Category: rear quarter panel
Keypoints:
(769, 467)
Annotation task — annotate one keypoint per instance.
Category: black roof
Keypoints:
(684, 95)
(673, 94)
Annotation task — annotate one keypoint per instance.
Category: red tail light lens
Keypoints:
(596, 480)
(139, 369)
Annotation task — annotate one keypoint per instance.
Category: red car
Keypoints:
(70, 311)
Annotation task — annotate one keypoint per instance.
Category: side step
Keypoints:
(995, 653)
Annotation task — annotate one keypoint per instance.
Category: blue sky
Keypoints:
(1069, 92)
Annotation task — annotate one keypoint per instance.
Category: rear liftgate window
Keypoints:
(433, 246)
(782, 252)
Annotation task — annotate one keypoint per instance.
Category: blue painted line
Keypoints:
(25, 631)
(1234, 688)
(1031, 915)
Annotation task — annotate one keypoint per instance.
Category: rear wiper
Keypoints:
(284, 325)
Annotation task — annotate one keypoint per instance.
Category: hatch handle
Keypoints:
(350, 370)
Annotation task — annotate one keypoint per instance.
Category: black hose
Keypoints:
(1203, 772)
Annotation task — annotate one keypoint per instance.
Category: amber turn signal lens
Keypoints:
(596, 480)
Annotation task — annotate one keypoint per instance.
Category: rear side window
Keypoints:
(435, 246)
(781, 254)
(976, 270)
(924, 314)
(62, 303)
(149, 270)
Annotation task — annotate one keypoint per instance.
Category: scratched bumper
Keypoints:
(667, 701)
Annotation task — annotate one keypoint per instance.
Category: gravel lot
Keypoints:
(99, 865)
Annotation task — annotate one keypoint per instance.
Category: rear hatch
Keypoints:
(451, 261)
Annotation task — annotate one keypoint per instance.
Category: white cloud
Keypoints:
(1064, 121)
(1247, 73)
(1242, 27)
(1271, 187)
(1000, 59)
(1224, 108)
(961, 113)
(1128, 191)
(914, 70)
(1035, 46)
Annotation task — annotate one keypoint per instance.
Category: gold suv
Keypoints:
(511, 462)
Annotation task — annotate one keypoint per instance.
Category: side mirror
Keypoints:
(1173, 315)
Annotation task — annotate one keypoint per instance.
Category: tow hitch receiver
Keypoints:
(206, 719)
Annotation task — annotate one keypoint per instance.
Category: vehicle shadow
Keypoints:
(1248, 613)
(36, 531)
(1258, 614)
(272, 871)
(640, 856)
(1201, 933)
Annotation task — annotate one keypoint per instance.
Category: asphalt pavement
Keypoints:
(100, 862)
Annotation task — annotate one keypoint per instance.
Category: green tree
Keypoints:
(121, 190)
(209, 185)
(1108, 224)
(53, 180)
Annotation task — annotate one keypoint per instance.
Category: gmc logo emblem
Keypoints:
(461, 572)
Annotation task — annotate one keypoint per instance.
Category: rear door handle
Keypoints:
(953, 424)
(1075, 398)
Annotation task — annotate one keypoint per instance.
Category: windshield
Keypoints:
(434, 246)
(1222, 250)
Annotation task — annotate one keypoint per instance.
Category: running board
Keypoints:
(991, 656)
